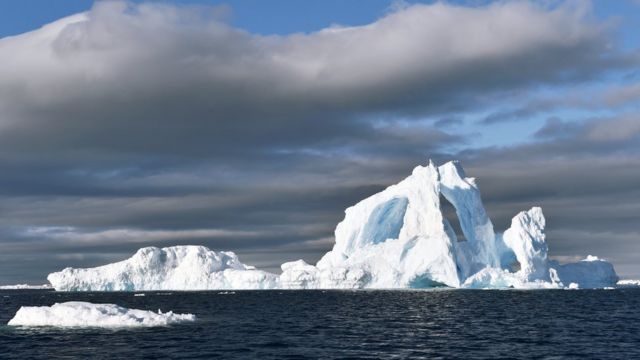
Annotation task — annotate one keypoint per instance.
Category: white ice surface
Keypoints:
(25, 287)
(496, 278)
(463, 193)
(397, 238)
(171, 268)
(588, 273)
(629, 283)
(526, 239)
(84, 314)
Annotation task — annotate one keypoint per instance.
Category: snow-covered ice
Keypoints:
(591, 272)
(171, 268)
(25, 287)
(629, 283)
(85, 314)
(525, 239)
(397, 238)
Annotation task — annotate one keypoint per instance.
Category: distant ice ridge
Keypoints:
(25, 287)
(397, 238)
(628, 283)
(84, 314)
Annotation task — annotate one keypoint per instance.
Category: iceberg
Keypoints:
(525, 240)
(395, 239)
(25, 287)
(591, 272)
(85, 314)
(171, 268)
(628, 283)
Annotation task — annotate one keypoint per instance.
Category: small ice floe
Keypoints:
(138, 294)
(85, 314)
(226, 293)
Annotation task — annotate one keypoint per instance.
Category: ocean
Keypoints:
(275, 324)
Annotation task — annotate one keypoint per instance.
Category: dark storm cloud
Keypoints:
(135, 125)
(160, 80)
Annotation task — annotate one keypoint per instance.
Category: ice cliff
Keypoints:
(398, 238)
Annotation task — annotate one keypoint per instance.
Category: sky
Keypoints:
(250, 125)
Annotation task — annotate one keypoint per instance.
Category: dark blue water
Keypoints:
(555, 324)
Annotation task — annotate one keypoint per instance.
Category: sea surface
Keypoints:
(447, 324)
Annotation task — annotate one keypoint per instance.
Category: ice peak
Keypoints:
(475, 224)
(454, 166)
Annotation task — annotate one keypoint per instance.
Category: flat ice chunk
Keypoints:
(628, 283)
(25, 287)
(171, 268)
(495, 278)
(589, 273)
(85, 314)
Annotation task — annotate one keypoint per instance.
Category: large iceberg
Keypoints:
(85, 314)
(397, 238)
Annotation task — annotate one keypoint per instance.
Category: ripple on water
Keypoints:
(599, 324)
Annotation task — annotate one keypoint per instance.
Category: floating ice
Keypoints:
(171, 268)
(590, 272)
(526, 240)
(25, 287)
(628, 283)
(397, 238)
(414, 248)
(85, 314)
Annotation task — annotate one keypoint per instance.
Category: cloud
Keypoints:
(556, 128)
(621, 129)
(100, 101)
(72, 235)
(104, 80)
(622, 95)
(610, 97)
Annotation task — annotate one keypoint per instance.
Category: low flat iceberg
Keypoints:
(25, 287)
(171, 268)
(398, 238)
(85, 314)
(628, 283)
